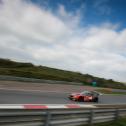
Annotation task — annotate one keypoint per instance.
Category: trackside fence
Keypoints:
(59, 116)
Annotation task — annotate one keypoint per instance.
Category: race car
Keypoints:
(85, 96)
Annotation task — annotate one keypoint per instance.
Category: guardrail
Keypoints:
(24, 79)
(37, 115)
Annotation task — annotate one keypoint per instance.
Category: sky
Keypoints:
(86, 36)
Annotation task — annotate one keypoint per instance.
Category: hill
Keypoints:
(8, 67)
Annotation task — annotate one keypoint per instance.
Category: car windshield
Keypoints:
(84, 92)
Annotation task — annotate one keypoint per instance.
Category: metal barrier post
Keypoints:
(48, 117)
(91, 116)
(116, 114)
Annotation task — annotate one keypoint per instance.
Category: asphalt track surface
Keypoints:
(34, 97)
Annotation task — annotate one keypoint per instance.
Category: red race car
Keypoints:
(86, 96)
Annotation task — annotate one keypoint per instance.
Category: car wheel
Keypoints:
(96, 100)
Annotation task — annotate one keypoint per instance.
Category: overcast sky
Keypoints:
(88, 36)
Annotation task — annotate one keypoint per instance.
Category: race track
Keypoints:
(34, 97)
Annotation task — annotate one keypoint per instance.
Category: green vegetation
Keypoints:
(109, 91)
(120, 122)
(8, 67)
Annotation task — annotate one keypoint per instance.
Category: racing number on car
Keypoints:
(87, 98)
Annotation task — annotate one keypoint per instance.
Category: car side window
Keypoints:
(88, 94)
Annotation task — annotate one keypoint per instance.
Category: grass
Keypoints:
(120, 122)
(19, 69)
(109, 91)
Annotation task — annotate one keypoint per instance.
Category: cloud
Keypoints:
(33, 34)
(102, 7)
(72, 19)
(30, 21)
